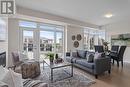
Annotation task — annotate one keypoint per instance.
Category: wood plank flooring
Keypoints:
(119, 77)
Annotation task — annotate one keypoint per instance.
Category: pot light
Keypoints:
(108, 15)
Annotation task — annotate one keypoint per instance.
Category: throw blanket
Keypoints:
(31, 83)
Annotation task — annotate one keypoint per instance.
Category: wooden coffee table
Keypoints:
(55, 66)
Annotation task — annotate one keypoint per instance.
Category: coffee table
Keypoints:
(55, 66)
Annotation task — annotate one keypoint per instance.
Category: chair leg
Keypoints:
(113, 61)
(117, 63)
(109, 71)
(122, 63)
(96, 76)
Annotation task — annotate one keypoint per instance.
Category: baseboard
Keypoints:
(127, 61)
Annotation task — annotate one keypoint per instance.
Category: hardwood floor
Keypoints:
(119, 77)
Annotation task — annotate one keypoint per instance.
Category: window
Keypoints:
(27, 24)
(93, 37)
(40, 38)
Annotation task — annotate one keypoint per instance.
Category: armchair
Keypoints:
(16, 60)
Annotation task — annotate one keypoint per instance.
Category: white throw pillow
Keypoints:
(97, 55)
(3, 72)
(2, 84)
(13, 79)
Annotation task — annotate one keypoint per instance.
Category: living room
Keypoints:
(73, 35)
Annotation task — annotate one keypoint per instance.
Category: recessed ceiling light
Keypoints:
(108, 15)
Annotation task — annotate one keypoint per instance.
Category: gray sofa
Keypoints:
(98, 66)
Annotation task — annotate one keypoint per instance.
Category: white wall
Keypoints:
(120, 27)
(73, 30)
(13, 38)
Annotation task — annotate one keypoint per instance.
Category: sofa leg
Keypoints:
(109, 71)
(113, 61)
(117, 63)
(122, 63)
(96, 76)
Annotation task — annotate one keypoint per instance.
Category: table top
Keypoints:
(53, 65)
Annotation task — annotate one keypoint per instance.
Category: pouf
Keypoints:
(30, 69)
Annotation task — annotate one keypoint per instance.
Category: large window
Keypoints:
(51, 39)
(93, 37)
(37, 39)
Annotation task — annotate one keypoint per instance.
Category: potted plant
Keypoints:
(51, 56)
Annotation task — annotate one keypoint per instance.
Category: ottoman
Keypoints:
(30, 69)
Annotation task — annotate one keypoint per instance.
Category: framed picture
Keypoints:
(121, 39)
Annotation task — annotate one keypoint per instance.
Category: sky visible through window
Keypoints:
(47, 32)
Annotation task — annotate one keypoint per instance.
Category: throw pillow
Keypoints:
(90, 58)
(81, 53)
(74, 54)
(13, 79)
(2, 84)
(3, 72)
(97, 55)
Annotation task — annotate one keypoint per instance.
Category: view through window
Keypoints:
(93, 37)
(50, 39)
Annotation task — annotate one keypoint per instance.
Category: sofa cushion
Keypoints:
(72, 59)
(81, 53)
(84, 63)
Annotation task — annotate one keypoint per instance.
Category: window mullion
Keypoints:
(55, 40)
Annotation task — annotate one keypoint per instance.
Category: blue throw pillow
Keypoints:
(81, 53)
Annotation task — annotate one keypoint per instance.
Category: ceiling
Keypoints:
(91, 11)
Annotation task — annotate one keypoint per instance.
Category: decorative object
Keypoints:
(56, 56)
(76, 44)
(73, 37)
(51, 56)
(59, 60)
(79, 37)
(121, 39)
(78, 80)
(105, 44)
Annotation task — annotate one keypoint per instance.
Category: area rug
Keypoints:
(63, 79)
